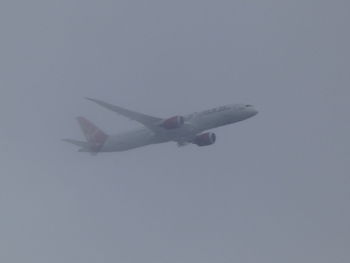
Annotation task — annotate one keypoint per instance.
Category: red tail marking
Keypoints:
(92, 133)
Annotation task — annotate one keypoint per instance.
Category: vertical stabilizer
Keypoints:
(93, 134)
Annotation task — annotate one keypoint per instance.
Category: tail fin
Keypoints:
(92, 133)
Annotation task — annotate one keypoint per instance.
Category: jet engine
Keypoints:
(173, 122)
(205, 139)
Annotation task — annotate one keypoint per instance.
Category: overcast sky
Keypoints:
(273, 189)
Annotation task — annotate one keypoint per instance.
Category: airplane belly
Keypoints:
(128, 141)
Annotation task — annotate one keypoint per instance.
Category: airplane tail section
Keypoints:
(95, 137)
(83, 145)
(93, 134)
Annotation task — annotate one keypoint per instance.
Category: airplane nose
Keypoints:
(254, 112)
(249, 111)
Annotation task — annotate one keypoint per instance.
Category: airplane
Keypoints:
(183, 130)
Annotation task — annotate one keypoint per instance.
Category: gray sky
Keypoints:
(272, 189)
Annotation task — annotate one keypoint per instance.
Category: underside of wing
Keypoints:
(146, 120)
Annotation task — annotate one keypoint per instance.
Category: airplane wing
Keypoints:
(146, 120)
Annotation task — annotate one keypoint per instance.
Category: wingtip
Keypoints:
(80, 118)
(94, 100)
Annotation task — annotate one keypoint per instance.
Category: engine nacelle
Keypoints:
(173, 122)
(205, 139)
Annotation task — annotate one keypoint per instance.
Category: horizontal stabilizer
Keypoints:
(84, 145)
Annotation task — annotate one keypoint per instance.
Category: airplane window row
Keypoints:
(216, 110)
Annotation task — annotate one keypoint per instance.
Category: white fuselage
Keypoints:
(195, 124)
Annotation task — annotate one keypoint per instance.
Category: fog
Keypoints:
(274, 188)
